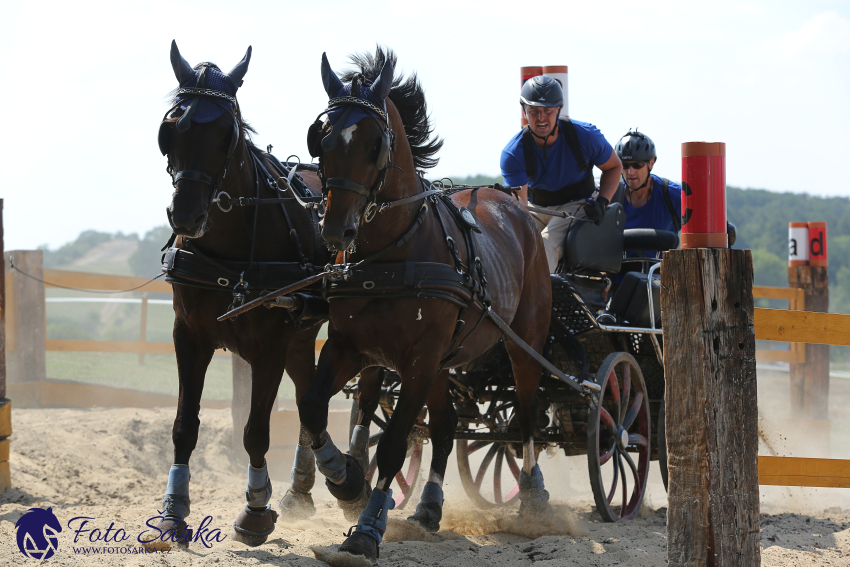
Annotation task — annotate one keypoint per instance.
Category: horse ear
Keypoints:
(238, 72)
(182, 70)
(381, 87)
(332, 83)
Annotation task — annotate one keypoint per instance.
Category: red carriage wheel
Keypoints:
(618, 438)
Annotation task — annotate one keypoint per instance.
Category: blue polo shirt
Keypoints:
(654, 213)
(560, 167)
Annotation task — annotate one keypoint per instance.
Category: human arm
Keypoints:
(523, 195)
(611, 172)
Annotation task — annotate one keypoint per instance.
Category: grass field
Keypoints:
(158, 374)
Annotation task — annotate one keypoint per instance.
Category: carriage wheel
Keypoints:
(618, 430)
(405, 480)
(496, 478)
(661, 443)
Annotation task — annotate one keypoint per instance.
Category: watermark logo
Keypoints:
(37, 533)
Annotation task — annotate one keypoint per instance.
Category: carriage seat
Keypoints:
(631, 301)
(594, 247)
(639, 239)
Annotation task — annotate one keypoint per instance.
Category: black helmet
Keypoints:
(542, 91)
(635, 146)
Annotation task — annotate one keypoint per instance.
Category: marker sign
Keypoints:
(798, 244)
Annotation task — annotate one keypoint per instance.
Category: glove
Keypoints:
(595, 210)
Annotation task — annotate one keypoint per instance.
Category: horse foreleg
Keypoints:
(345, 478)
(257, 519)
(442, 422)
(297, 502)
(534, 498)
(368, 398)
(392, 448)
(193, 358)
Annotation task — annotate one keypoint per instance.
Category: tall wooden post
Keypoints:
(711, 408)
(5, 403)
(26, 326)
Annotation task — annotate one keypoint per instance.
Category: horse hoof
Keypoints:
(354, 481)
(535, 509)
(296, 505)
(362, 545)
(353, 508)
(427, 516)
(253, 525)
(170, 531)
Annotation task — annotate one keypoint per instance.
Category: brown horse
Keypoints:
(408, 311)
(219, 258)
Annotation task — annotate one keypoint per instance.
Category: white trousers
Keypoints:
(554, 229)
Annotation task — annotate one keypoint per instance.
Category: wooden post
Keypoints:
(810, 381)
(5, 403)
(25, 360)
(711, 408)
(143, 328)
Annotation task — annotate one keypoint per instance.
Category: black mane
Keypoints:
(409, 98)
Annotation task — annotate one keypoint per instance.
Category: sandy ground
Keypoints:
(111, 465)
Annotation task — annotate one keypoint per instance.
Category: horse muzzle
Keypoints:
(190, 226)
(338, 237)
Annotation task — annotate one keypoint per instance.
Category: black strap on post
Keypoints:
(677, 222)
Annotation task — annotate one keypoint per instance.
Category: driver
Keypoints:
(649, 200)
(553, 161)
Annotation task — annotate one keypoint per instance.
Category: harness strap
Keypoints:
(348, 185)
(677, 222)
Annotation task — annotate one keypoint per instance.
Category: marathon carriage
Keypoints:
(605, 327)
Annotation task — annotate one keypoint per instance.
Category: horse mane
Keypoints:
(409, 98)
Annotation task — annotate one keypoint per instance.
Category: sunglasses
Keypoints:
(634, 165)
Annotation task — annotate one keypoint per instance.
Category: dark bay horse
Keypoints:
(219, 258)
(408, 310)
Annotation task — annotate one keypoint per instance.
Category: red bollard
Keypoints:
(704, 195)
(817, 244)
(559, 73)
(798, 244)
(526, 73)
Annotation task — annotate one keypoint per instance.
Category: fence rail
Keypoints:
(796, 298)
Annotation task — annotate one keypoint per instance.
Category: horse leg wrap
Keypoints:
(534, 498)
(369, 531)
(429, 511)
(298, 502)
(175, 503)
(331, 462)
(259, 490)
(359, 445)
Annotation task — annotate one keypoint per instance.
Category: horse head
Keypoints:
(200, 134)
(354, 143)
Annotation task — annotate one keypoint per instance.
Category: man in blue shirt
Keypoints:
(552, 160)
(649, 200)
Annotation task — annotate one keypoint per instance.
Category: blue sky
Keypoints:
(85, 86)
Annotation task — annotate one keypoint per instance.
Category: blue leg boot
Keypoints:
(256, 522)
(353, 492)
(429, 511)
(369, 531)
(534, 498)
(175, 508)
(358, 447)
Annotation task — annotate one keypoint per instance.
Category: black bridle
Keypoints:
(385, 154)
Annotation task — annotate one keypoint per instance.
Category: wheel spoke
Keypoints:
(625, 487)
(497, 476)
(485, 464)
(606, 420)
(635, 474)
(475, 445)
(637, 439)
(614, 387)
(614, 483)
(512, 465)
(627, 389)
(607, 456)
(633, 411)
(402, 482)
